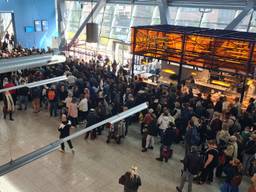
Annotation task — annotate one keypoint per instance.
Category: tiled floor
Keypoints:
(95, 166)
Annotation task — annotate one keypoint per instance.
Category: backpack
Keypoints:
(236, 127)
(236, 180)
(195, 137)
(51, 95)
(196, 163)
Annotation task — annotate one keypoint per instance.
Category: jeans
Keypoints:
(53, 108)
(150, 141)
(246, 162)
(186, 176)
(23, 100)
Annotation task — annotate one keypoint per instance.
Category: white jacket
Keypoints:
(164, 121)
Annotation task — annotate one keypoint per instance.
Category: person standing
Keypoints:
(52, 99)
(92, 119)
(36, 95)
(23, 96)
(64, 130)
(211, 162)
(233, 173)
(193, 164)
(168, 138)
(8, 105)
(83, 108)
(131, 180)
(73, 112)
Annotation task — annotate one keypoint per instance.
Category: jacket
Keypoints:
(64, 129)
(131, 184)
(168, 136)
(164, 121)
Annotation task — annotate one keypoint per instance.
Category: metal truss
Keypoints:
(100, 4)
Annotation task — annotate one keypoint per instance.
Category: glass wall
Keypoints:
(115, 21)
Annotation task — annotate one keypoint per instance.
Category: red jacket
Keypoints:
(8, 85)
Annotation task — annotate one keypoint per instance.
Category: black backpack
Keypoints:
(195, 162)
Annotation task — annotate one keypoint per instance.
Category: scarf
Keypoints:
(10, 103)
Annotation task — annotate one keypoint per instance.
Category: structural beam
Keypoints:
(164, 12)
(28, 158)
(241, 16)
(61, 23)
(99, 5)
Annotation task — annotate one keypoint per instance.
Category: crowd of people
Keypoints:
(219, 138)
(8, 48)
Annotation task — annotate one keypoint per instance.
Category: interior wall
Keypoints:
(25, 12)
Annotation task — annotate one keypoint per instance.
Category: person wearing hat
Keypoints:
(131, 180)
(252, 188)
(249, 151)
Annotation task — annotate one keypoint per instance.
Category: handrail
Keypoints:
(36, 84)
(28, 158)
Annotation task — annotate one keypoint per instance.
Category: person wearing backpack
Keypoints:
(192, 136)
(211, 161)
(193, 164)
(233, 173)
(52, 99)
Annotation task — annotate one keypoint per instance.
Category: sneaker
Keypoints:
(178, 189)
(144, 150)
(151, 147)
(159, 159)
(61, 150)
(11, 119)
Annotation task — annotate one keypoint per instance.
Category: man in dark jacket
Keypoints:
(64, 130)
(168, 138)
(92, 119)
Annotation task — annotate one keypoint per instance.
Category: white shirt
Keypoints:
(83, 105)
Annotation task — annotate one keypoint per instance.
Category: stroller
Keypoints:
(116, 131)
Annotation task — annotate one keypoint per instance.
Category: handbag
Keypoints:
(122, 180)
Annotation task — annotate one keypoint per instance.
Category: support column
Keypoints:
(60, 23)
(164, 12)
(181, 59)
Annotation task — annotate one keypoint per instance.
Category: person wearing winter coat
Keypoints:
(233, 173)
(92, 119)
(163, 122)
(167, 140)
(131, 180)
